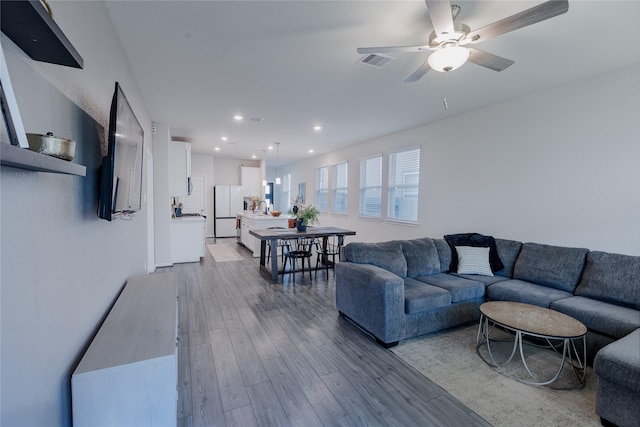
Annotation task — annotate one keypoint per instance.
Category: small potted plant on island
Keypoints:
(305, 215)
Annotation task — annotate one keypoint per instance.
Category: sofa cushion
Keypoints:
(477, 240)
(599, 316)
(387, 255)
(422, 257)
(487, 280)
(473, 260)
(554, 266)
(461, 289)
(444, 253)
(419, 296)
(526, 292)
(619, 362)
(508, 251)
(611, 277)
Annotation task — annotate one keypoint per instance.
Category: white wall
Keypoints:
(561, 167)
(61, 267)
(227, 171)
(203, 165)
(161, 198)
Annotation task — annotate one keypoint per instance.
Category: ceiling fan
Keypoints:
(451, 43)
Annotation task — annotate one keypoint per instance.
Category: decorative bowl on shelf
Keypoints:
(275, 213)
(50, 145)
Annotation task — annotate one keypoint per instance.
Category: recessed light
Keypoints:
(216, 148)
(270, 147)
(238, 117)
(317, 128)
(253, 156)
(311, 150)
(224, 138)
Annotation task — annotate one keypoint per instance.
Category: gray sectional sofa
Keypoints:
(400, 289)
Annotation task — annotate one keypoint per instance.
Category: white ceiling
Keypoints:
(294, 64)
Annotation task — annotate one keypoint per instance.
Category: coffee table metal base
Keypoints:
(570, 353)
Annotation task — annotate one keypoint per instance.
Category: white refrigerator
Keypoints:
(228, 201)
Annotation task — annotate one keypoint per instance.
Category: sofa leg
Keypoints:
(341, 314)
(607, 423)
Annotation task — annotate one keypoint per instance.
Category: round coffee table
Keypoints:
(533, 321)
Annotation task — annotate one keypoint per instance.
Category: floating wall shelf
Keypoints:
(30, 26)
(23, 158)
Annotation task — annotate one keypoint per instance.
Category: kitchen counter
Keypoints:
(250, 221)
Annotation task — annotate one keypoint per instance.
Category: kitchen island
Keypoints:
(257, 221)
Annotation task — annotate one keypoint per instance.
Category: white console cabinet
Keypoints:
(129, 374)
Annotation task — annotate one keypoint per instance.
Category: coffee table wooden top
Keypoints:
(533, 319)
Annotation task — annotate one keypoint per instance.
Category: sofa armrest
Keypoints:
(373, 298)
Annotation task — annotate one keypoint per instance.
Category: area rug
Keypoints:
(224, 252)
(450, 360)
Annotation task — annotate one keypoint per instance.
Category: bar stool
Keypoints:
(281, 244)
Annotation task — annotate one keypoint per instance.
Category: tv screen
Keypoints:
(121, 184)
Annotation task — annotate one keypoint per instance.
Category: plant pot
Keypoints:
(300, 226)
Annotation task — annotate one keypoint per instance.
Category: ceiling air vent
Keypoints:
(375, 60)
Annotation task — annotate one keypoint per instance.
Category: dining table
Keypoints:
(272, 235)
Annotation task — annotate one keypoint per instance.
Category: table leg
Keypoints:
(274, 259)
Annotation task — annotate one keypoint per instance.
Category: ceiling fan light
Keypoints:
(448, 58)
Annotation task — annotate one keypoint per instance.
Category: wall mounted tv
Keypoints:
(121, 183)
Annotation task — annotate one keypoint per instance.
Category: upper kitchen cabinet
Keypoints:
(179, 168)
(250, 181)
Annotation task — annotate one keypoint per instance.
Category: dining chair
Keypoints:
(300, 248)
(332, 249)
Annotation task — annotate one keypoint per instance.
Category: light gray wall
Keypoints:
(227, 171)
(561, 166)
(203, 165)
(62, 267)
(161, 198)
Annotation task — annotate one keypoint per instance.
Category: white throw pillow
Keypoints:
(472, 260)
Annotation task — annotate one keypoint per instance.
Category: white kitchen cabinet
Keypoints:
(187, 238)
(179, 168)
(250, 221)
(129, 374)
(250, 181)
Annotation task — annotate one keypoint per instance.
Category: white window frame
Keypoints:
(322, 188)
(365, 187)
(403, 188)
(335, 189)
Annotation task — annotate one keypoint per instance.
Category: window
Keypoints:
(286, 192)
(322, 188)
(371, 187)
(404, 173)
(339, 188)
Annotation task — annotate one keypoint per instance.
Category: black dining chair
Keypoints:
(300, 248)
(323, 253)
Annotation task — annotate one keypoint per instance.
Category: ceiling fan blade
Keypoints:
(417, 74)
(440, 13)
(530, 16)
(488, 60)
(419, 48)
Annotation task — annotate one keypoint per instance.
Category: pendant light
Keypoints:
(278, 181)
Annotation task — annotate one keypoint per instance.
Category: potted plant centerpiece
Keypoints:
(305, 215)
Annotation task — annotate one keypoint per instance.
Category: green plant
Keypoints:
(308, 214)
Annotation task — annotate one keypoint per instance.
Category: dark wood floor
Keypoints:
(256, 353)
